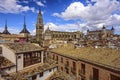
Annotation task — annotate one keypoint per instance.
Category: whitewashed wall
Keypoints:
(46, 74)
(9, 54)
(42, 56)
(20, 62)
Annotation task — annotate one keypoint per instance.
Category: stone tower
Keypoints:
(39, 29)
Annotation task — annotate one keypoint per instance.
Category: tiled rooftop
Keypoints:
(105, 56)
(4, 63)
(23, 47)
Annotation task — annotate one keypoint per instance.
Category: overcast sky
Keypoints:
(61, 15)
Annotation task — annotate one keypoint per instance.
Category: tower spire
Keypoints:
(24, 22)
(112, 28)
(5, 30)
(39, 20)
(103, 27)
(6, 23)
(24, 27)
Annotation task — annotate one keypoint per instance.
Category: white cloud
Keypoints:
(11, 6)
(94, 16)
(66, 27)
(56, 14)
(26, 2)
(40, 3)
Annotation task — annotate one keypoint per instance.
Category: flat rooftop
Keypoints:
(104, 56)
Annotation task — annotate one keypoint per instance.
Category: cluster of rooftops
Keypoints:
(101, 56)
(105, 56)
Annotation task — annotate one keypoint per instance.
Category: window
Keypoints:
(61, 68)
(34, 77)
(73, 68)
(56, 58)
(74, 65)
(61, 60)
(53, 56)
(67, 63)
(9, 69)
(41, 74)
(95, 74)
(19, 57)
(83, 68)
(50, 70)
(82, 78)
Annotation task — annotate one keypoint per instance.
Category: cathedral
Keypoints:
(50, 36)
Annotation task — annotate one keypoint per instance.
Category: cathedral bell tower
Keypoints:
(39, 29)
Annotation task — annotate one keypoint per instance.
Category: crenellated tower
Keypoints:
(39, 29)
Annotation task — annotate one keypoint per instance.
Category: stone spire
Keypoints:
(24, 30)
(5, 30)
(112, 28)
(103, 27)
(87, 30)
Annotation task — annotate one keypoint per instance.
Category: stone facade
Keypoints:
(64, 36)
(51, 37)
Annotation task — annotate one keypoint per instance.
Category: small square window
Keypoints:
(9, 69)
(19, 57)
(41, 74)
(50, 70)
